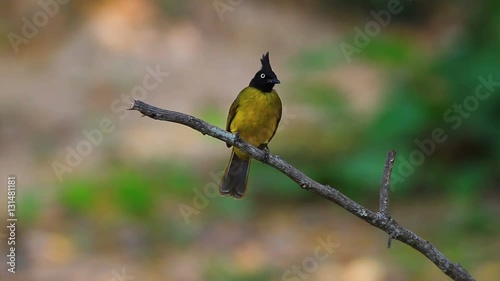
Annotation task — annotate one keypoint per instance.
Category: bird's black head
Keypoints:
(264, 79)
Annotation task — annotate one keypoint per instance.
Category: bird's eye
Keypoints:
(262, 75)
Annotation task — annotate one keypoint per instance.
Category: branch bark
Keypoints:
(386, 183)
(380, 219)
(385, 187)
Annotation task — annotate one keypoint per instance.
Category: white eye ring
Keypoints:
(262, 75)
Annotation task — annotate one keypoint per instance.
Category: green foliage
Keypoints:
(78, 196)
(129, 191)
(229, 208)
(414, 105)
(391, 50)
(133, 194)
(177, 179)
(31, 207)
(318, 59)
(324, 99)
(213, 115)
(266, 180)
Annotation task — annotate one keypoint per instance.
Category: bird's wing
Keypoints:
(232, 112)
(230, 116)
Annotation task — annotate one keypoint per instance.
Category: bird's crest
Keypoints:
(266, 65)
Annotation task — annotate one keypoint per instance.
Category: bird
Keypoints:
(253, 117)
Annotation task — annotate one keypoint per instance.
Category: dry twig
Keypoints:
(380, 220)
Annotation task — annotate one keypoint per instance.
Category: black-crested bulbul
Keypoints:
(254, 117)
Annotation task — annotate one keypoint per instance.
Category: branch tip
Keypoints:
(132, 105)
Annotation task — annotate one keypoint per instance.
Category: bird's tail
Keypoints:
(234, 181)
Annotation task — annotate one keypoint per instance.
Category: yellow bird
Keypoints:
(253, 117)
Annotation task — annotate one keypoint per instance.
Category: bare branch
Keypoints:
(386, 183)
(385, 186)
(380, 220)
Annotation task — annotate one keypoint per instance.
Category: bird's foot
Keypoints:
(265, 149)
(237, 137)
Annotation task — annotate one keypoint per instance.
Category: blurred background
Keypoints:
(103, 194)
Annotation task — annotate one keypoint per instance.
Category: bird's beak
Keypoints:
(274, 81)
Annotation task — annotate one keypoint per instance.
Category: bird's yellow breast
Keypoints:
(257, 115)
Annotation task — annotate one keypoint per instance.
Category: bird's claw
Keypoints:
(265, 149)
(237, 137)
